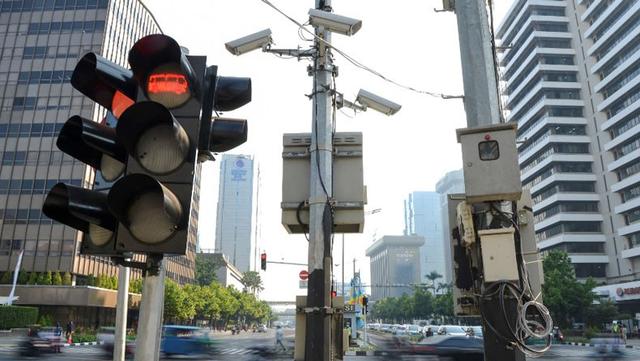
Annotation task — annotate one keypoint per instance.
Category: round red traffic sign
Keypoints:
(303, 275)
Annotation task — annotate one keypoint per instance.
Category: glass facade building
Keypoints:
(570, 80)
(234, 220)
(451, 183)
(41, 42)
(423, 217)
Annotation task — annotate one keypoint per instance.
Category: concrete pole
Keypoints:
(318, 336)
(343, 295)
(482, 107)
(151, 309)
(478, 72)
(120, 336)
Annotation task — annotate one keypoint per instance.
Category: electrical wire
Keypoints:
(359, 64)
(496, 68)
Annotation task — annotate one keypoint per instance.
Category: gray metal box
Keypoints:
(349, 191)
(490, 163)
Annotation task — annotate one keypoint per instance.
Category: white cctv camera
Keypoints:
(378, 103)
(249, 42)
(334, 23)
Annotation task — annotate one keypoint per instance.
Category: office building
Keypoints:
(234, 223)
(395, 265)
(423, 217)
(40, 45)
(570, 75)
(451, 183)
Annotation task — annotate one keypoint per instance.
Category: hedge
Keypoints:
(17, 316)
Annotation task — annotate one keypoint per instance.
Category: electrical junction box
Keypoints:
(349, 192)
(490, 163)
(499, 254)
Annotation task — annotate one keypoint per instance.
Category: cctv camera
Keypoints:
(378, 103)
(334, 23)
(249, 42)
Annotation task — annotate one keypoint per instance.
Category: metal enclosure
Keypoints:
(528, 245)
(488, 178)
(499, 254)
(349, 192)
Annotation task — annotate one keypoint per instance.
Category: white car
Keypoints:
(414, 330)
(452, 330)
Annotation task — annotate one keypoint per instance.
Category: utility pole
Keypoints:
(120, 336)
(481, 103)
(318, 337)
(151, 310)
(343, 295)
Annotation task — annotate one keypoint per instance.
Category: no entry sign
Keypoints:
(303, 275)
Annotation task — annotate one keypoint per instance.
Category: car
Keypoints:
(452, 330)
(385, 328)
(414, 330)
(456, 347)
(474, 331)
(399, 330)
(106, 338)
(185, 341)
(262, 328)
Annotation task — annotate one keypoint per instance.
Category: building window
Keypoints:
(585, 270)
(569, 227)
(579, 247)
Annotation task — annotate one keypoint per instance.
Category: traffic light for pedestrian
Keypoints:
(263, 261)
(163, 106)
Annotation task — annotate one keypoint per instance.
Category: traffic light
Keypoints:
(365, 301)
(163, 106)
(263, 261)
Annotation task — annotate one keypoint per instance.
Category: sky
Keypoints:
(406, 41)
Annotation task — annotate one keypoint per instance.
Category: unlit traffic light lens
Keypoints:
(154, 217)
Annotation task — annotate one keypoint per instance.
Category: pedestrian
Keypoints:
(70, 329)
(623, 329)
(279, 338)
(57, 338)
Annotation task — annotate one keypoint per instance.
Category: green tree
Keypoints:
(566, 298)
(206, 268)
(174, 300)
(443, 305)
(603, 312)
(422, 303)
(91, 280)
(6, 278)
(33, 278)
(56, 280)
(251, 281)
(66, 279)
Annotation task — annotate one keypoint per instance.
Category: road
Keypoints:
(230, 347)
(238, 348)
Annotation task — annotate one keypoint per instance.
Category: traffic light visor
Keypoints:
(231, 93)
(94, 144)
(227, 134)
(83, 209)
(149, 210)
(153, 137)
(106, 83)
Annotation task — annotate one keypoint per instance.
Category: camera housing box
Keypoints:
(349, 192)
(490, 163)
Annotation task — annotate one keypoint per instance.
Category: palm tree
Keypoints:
(432, 277)
(252, 281)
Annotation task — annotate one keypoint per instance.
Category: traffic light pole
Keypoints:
(120, 336)
(318, 345)
(151, 310)
(481, 103)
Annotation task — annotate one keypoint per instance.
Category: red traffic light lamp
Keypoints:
(263, 261)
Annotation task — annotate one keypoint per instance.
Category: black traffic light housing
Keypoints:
(163, 106)
(263, 261)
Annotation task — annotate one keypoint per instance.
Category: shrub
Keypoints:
(66, 280)
(17, 316)
(45, 320)
(23, 278)
(33, 278)
(6, 278)
(56, 280)
(44, 279)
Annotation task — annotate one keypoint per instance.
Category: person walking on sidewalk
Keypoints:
(279, 338)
